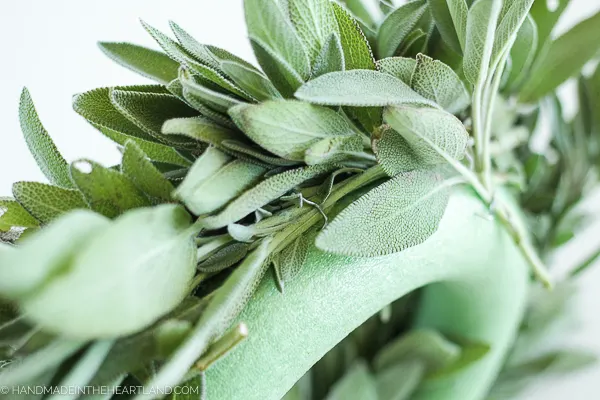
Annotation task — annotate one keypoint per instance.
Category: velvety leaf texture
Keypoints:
(399, 67)
(314, 22)
(400, 213)
(137, 167)
(13, 214)
(47, 156)
(331, 58)
(47, 202)
(252, 81)
(357, 51)
(199, 129)
(481, 27)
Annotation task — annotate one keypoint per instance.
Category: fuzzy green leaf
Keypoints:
(138, 168)
(149, 111)
(214, 180)
(262, 194)
(149, 244)
(409, 144)
(397, 26)
(255, 152)
(359, 88)
(523, 53)
(481, 27)
(13, 214)
(47, 202)
(292, 257)
(333, 149)
(511, 18)
(314, 22)
(450, 17)
(436, 81)
(563, 59)
(46, 253)
(357, 51)
(107, 191)
(289, 128)
(399, 67)
(47, 156)
(147, 62)
(279, 71)
(331, 57)
(196, 93)
(200, 52)
(200, 129)
(401, 213)
(357, 384)
(267, 23)
(224, 258)
(252, 81)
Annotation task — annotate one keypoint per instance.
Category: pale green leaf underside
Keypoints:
(398, 214)
(399, 67)
(331, 58)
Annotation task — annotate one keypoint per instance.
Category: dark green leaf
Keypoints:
(450, 17)
(200, 129)
(252, 81)
(200, 52)
(47, 202)
(256, 153)
(147, 62)
(523, 53)
(397, 26)
(137, 167)
(47, 156)
(314, 22)
(224, 258)
(13, 214)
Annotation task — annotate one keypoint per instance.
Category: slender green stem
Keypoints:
(223, 346)
(587, 263)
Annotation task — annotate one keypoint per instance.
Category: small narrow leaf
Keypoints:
(155, 244)
(289, 128)
(419, 128)
(450, 17)
(252, 81)
(331, 57)
(399, 67)
(137, 167)
(198, 94)
(224, 258)
(47, 202)
(200, 52)
(511, 18)
(107, 191)
(314, 22)
(522, 54)
(292, 258)
(13, 214)
(358, 383)
(214, 180)
(357, 51)
(401, 213)
(397, 26)
(262, 194)
(359, 88)
(47, 156)
(146, 62)
(200, 129)
(436, 81)
(267, 23)
(481, 27)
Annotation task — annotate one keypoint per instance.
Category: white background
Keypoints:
(49, 46)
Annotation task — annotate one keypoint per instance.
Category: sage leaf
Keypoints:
(107, 191)
(419, 128)
(334, 149)
(224, 55)
(256, 153)
(564, 57)
(292, 257)
(397, 26)
(436, 81)
(196, 93)
(359, 88)
(370, 15)
(80, 375)
(450, 18)
(13, 214)
(252, 81)
(138, 168)
(262, 194)
(280, 72)
(267, 23)
(314, 22)
(39, 362)
(46, 253)
(357, 51)
(331, 57)
(47, 202)
(427, 346)
(47, 156)
(546, 17)
(289, 128)
(214, 180)
(400, 213)
(482, 21)
(399, 67)
(199, 51)
(512, 16)
(357, 383)
(390, 387)
(146, 62)
(471, 351)
(200, 129)
(149, 111)
(522, 54)
(224, 258)
(149, 244)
